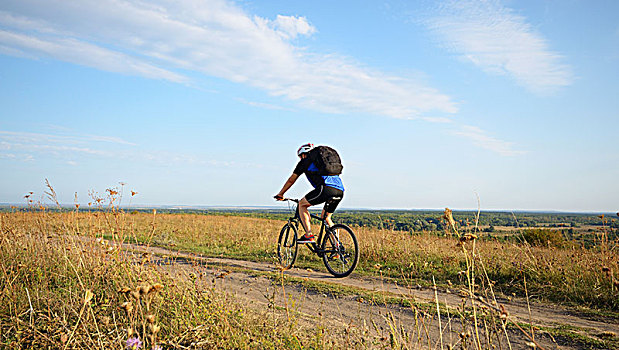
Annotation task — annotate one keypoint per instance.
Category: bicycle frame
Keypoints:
(336, 245)
(296, 220)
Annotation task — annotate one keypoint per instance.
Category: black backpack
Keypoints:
(326, 160)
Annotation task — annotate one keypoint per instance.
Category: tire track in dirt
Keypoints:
(235, 277)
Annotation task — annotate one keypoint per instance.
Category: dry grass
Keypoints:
(573, 275)
(65, 290)
(62, 291)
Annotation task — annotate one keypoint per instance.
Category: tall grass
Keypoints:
(65, 287)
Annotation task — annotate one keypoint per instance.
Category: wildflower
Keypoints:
(157, 347)
(134, 343)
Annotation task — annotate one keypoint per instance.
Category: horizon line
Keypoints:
(262, 207)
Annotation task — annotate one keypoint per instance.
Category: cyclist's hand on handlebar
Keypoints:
(279, 197)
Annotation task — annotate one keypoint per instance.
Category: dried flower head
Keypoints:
(504, 313)
(150, 318)
(155, 288)
(153, 328)
(449, 217)
(468, 237)
(88, 295)
(143, 290)
(127, 306)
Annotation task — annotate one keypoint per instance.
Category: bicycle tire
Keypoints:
(340, 250)
(287, 246)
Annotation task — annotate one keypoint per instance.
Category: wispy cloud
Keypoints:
(216, 38)
(25, 146)
(480, 138)
(500, 41)
(263, 105)
(37, 138)
(83, 53)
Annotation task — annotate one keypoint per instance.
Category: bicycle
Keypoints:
(336, 245)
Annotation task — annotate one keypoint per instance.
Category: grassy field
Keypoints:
(64, 289)
(571, 274)
(61, 291)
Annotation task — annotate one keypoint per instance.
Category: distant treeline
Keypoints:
(417, 220)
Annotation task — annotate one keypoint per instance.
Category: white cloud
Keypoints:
(290, 27)
(79, 52)
(480, 138)
(212, 38)
(500, 41)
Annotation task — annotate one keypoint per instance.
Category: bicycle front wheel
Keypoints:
(340, 250)
(287, 246)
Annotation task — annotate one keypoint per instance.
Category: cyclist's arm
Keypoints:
(291, 180)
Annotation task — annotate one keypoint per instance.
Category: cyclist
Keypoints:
(326, 188)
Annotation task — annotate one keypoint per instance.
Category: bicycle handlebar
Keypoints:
(283, 199)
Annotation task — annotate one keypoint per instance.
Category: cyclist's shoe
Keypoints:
(306, 239)
(336, 254)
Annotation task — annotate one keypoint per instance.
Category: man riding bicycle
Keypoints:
(327, 186)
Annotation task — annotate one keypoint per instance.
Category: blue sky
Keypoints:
(204, 102)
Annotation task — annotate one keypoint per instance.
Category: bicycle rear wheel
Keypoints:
(287, 246)
(340, 250)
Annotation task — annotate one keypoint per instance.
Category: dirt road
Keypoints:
(255, 285)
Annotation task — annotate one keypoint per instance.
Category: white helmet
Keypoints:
(305, 148)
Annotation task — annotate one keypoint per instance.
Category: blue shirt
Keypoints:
(305, 166)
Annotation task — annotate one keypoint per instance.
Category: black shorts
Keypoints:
(322, 194)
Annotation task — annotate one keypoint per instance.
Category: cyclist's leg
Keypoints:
(333, 200)
(304, 215)
(316, 196)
